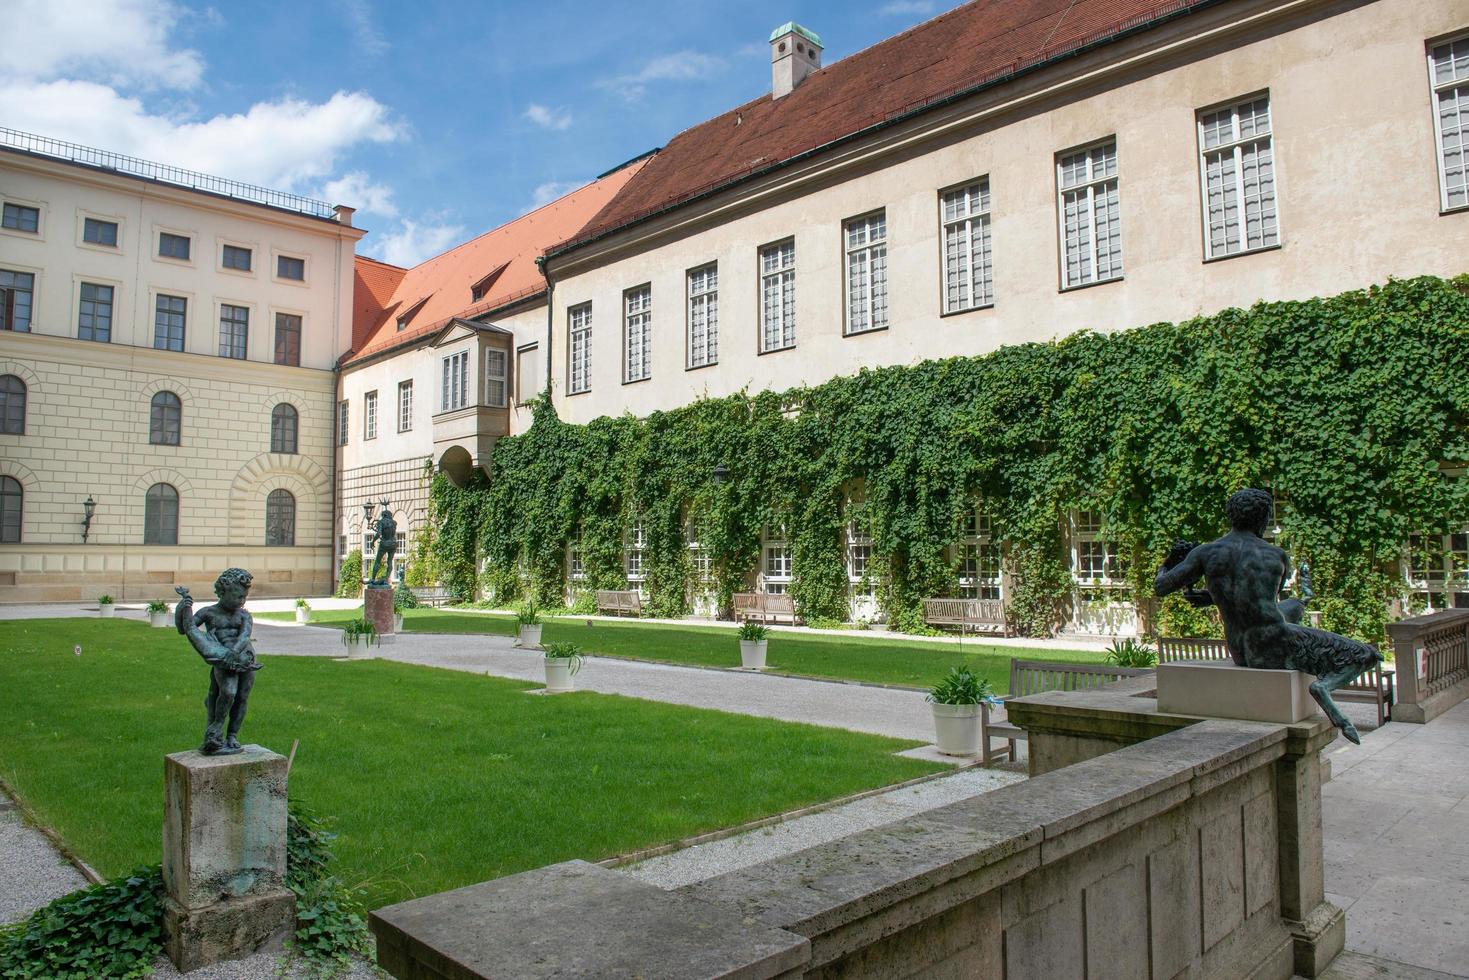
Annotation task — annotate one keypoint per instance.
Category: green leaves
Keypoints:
(109, 930)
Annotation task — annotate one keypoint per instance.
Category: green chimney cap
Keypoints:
(791, 27)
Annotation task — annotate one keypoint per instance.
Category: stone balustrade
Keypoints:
(1432, 657)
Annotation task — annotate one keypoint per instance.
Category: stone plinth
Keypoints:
(377, 608)
(1225, 690)
(224, 856)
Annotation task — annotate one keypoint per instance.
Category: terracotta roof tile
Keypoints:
(373, 283)
(979, 42)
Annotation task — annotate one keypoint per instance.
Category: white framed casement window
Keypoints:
(369, 415)
(1237, 178)
(637, 543)
(405, 406)
(778, 296)
(775, 564)
(979, 558)
(1089, 213)
(637, 334)
(344, 408)
(968, 262)
(1434, 568)
(497, 363)
(859, 559)
(704, 315)
(527, 373)
(579, 349)
(455, 377)
(1448, 73)
(866, 241)
(576, 569)
(1093, 556)
(700, 559)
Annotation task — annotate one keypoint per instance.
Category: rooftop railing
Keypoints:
(163, 173)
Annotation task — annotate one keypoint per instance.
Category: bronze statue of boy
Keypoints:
(387, 547)
(221, 635)
(1245, 573)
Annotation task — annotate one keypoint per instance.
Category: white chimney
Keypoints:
(794, 53)
(344, 214)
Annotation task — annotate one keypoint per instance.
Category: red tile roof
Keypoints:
(501, 261)
(981, 42)
(373, 283)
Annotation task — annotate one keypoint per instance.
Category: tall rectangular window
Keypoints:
(455, 381)
(288, 339)
(97, 232)
(496, 364)
(867, 273)
(235, 257)
(169, 315)
(979, 558)
(1448, 66)
(637, 543)
(369, 415)
(704, 316)
(527, 374)
(343, 412)
(776, 562)
(234, 331)
(405, 406)
(1237, 174)
(171, 246)
(968, 269)
(17, 290)
(1091, 219)
(579, 348)
(94, 313)
(637, 350)
(778, 296)
(18, 217)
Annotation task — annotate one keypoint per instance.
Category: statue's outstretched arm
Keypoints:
(1180, 576)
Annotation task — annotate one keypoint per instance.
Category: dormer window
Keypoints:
(481, 289)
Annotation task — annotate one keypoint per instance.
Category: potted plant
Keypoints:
(955, 701)
(1130, 652)
(562, 661)
(530, 625)
(752, 645)
(359, 636)
(403, 599)
(303, 611)
(104, 605)
(157, 613)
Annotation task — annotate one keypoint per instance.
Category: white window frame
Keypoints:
(872, 252)
(703, 315)
(964, 218)
(1455, 86)
(700, 560)
(634, 554)
(1087, 190)
(977, 548)
(1431, 587)
(405, 406)
(454, 381)
(494, 377)
(579, 349)
(862, 582)
(1089, 527)
(637, 334)
(778, 283)
(522, 375)
(576, 569)
(369, 415)
(775, 563)
(344, 418)
(1262, 142)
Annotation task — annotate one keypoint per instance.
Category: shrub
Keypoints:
(1129, 652)
(349, 579)
(104, 599)
(961, 686)
(109, 930)
(403, 598)
(157, 606)
(753, 631)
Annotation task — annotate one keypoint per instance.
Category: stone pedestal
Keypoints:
(377, 608)
(224, 856)
(1226, 690)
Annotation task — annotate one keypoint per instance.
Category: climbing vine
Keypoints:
(1353, 408)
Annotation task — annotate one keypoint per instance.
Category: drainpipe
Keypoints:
(541, 264)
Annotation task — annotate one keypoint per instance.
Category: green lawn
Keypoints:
(435, 778)
(876, 659)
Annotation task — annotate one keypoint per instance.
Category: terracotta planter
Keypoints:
(957, 727)
(752, 654)
(158, 620)
(558, 674)
(530, 636)
(104, 609)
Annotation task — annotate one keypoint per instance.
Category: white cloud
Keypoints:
(681, 66)
(356, 189)
(413, 241)
(121, 42)
(548, 118)
(905, 7)
(366, 34)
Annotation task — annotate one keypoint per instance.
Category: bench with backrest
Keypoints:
(619, 601)
(764, 607)
(1375, 687)
(432, 595)
(967, 614)
(1037, 677)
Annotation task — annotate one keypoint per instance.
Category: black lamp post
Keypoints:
(89, 507)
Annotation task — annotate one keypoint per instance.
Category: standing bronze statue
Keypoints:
(387, 547)
(1244, 573)
(221, 635)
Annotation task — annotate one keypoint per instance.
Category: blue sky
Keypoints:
(438, 120)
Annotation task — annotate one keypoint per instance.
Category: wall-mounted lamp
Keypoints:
(89, 507)
(721, 474)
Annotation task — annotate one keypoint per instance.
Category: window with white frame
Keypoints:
(497, 363)
(979, 558)
(859, 558)
(369, 415)
(1448, 67)
(699, 557)
(527, 374)
(776, 562)
(968, 265)
(1435, 567)
(778, 296)
(576, 569)
(637, 340)
(343, 412)
(455, 381)
(405, 406)
(1091, 219)
(1237, 178)
(1093, 555)
(704, 316)
(637, 543)
(867, 272)
(579, 348)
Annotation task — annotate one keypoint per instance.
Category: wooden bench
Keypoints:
(618, 602)
(1376, 687)
(764, 607)
(432, 595)
(1036, 677)
(967, 614)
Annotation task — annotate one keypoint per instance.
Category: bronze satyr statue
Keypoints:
(1245, 573)
(387, 547)
(221, 634)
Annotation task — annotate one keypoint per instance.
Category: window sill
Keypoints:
(700, 367)
(1211, 259)
(1090, 285)
(863, 333)
(575, 394)
(99, 247)
(1461, 209)
(637, 381)
(282, 280)
(775, 350)
(173, 260)
(967, 309)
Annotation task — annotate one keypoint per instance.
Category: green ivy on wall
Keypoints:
(1351, 407)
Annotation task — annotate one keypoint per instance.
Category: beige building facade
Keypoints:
(168, 363)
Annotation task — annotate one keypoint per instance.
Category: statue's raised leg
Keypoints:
(1321, 689)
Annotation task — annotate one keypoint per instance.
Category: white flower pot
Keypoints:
(752, 654)
(104, 609)
(530, 636)
(158, 620)
(358, 648)
(558, 674)
(957, 726)
(397, 622)
(303, 615)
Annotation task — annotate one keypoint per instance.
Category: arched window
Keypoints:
(166, 419)
(12, 405)
(280, 518)
(283, 423)
(161, 515)
(12, 502)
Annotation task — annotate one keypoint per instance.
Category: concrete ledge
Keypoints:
(1226, 690)
(1431, 707)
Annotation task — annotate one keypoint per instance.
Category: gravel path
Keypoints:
(32, 874)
